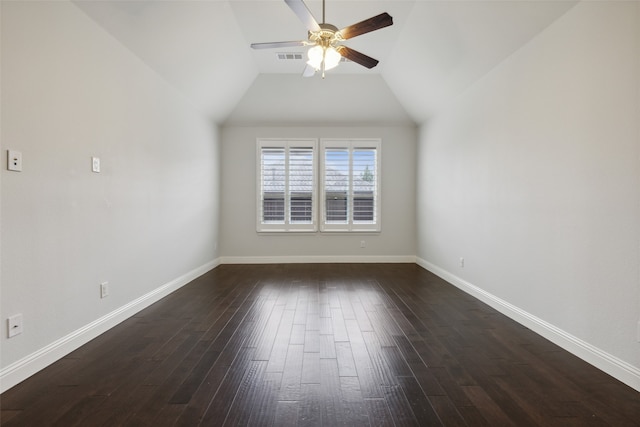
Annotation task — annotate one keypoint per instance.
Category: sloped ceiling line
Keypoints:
(434, 50)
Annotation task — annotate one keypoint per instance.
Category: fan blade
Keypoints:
(309, 71)
(355, 56)
(301, 9)
(366, 26)
(278, 44)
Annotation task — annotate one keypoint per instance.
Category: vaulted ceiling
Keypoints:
(431, 54)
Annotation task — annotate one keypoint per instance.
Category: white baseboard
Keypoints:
(29, 365)
(319, 259)
(602, 360)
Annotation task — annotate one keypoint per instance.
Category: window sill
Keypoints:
(280, 232)
(325, 232)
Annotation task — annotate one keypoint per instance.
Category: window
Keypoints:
(350, 193)
(287, 185)
(349, 188)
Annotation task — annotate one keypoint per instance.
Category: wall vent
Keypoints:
(289, 56)
(298, 56)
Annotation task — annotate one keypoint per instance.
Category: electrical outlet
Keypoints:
(638, 333)
(104, 289)
(14, 325)
(461, 262)
(363, 244)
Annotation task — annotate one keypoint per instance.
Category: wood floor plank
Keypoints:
(6, 415)
(320, 345)
(331, 410)
(264, 407)
(292, 373)
(278, 355)
(447, 411)
(38, 387)
(310, 403)
(346, 362)
(298, 331)
(287, 413)
(419, 402)
(489, 409)
(225, 331)
(312, 341)
(338, 326)
(369, 382)
(240, 410)
(399, 407)
(380, 368)
(261, 314)
(310, 368)
(419, 368)
(361, 316)
(76, 414)
(327, 347)
(384, 326)
(353, 407)
(378, 412)
(227, 391)
(269, 333)
(396, 362)
(43, 412)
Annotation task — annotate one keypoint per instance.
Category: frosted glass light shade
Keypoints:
(330, 56)
(315, 55)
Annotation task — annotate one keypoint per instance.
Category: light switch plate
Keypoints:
(104, 289)
(95, 164)
(14, 160)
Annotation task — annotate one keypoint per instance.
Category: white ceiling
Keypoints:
(434, 50)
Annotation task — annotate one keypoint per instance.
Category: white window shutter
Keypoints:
(350, 186)
(286, 185)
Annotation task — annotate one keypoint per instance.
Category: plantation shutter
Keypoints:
(350, 185)
(301, 182)
(336, 185)
(286, 183)
(273, 185)
(364, 179)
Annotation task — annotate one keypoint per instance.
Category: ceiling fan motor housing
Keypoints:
(327, 36)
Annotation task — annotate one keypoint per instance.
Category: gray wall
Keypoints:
(239, 241)
(533, 177)
(69, 92)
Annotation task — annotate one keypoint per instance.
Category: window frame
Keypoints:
(287, 225)
(351, 145)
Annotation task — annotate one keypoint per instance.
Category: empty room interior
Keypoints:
(201, 229)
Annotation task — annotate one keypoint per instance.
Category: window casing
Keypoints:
(348, 191)
(350, 185)
(287, 185)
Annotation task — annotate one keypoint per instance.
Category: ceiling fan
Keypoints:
(326, 38)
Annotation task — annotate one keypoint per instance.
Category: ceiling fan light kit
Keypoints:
(323, 58)
(326, 51)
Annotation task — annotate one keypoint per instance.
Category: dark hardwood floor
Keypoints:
(321, 344)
